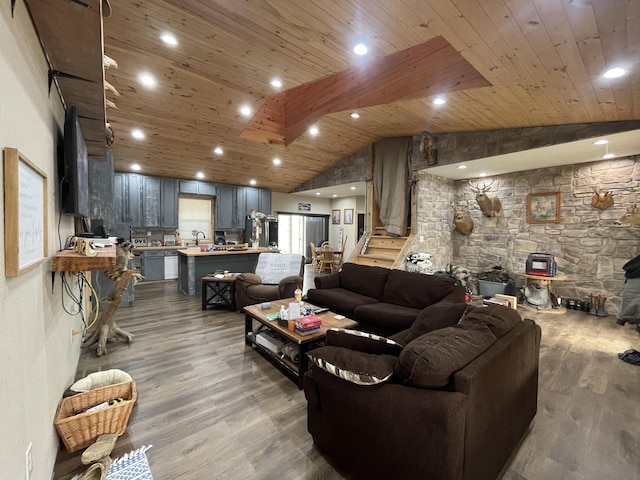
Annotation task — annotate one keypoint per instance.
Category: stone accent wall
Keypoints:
(589, 248)
(355, 168)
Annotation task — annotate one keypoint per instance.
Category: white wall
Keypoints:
(37, 356)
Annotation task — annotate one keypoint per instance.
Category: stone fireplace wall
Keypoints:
(589, 248)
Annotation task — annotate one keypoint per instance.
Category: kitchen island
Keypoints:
(194, 264)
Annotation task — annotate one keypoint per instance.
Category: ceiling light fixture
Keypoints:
(276, 83)
(334, 195)
(252, 182)
(135, 167)
(147, 80)
(360, 49)
(200, 175)
(482, 174)
(353, 188)
(355, 115)
(607, 155)
(602, 141)
(218, 151)
(137, 134)
(169, 39)
(461, 167)
(314, 131)
(614, 72)
(277, 161)
(439, 101)
(245, 110)
(317, 193)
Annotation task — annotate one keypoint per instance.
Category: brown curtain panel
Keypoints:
(391, 182)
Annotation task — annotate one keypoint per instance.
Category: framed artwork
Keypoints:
(25, 214)
(335, 217)
(543, 207)
(348, 215)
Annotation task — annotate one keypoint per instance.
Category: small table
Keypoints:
(304, 342)
(219, 291)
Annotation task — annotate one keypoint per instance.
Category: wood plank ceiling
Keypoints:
(543, 59)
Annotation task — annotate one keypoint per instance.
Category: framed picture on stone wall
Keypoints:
(543, 207)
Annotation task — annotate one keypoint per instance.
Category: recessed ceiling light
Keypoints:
(439, 101)
(608, 155)
(314, 131)
(252, 182)
(334, 195)
(462, 167)
(137, 134)
(353, 188)
(317, 193)
(169, 38)
(147, 80)
(245, 110)
(276, 83)
(200, 175)
(218, 151)
(135, 167)
(355, 115)
(614, 72)
(360, 49)
(602, 141)
(482, 174)
(277, 161)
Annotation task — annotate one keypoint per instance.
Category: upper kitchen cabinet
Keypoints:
(259, 199)
(195, 187)
(169, 213)
(127, 198)
(151, 198)
(143, 201)
(71, 36)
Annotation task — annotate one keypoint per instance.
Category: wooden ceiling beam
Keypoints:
(430, 68)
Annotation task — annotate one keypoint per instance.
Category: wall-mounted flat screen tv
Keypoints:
(75, 172)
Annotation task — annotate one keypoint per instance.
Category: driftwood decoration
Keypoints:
(106, 326)
(462, 221)
(602, 200)
(489, 206)
(632, 217)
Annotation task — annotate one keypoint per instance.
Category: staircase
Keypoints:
(380, 251)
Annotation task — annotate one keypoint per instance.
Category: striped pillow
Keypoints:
(355, 367)
(362, 342)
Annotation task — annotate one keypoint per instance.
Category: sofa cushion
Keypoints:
(498, 318)
(364, 279)
(355, 367)
(433, 317)
(362, 342)
(416, 290)
(389, 316)
(431, 359)
(338, 299)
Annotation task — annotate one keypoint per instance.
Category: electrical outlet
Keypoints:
(28, 459)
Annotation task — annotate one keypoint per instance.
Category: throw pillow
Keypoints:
(362, 342)
(355, 367)
(430, 360)
(498, 318)
(433, 317)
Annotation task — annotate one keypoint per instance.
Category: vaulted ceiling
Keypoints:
(542, 63)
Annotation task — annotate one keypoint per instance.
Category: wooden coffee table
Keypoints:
(304, 342)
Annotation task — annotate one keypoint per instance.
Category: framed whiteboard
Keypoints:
(25, 214)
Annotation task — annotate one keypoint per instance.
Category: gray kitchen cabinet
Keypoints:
(118, 198)
(127, 198)
(265, 201)
(225, 207)
(152, 265)
(151, 202)
(169, 211)
(196, 187)
(206, 188)
(252, 196)
(241, 211)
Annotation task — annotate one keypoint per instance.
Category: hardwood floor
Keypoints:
(214, 409)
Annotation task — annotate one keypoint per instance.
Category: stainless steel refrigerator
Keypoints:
(269, 234)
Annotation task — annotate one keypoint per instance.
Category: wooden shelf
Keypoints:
(69, 261)
(71, 35)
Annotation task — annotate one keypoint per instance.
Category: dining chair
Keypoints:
(315, 260)
(326, 257)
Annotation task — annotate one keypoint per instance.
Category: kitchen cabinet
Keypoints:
(152, 265)
(127, 198)
(170, 264)
(151, 195)
(259, 199)
(169, 212)
(195, 187)
(225, 217)
(234, 203)
(144, 201)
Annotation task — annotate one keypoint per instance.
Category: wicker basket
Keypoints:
(81, 430)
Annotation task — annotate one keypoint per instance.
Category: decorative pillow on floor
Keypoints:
(355, 367)
(362, 342)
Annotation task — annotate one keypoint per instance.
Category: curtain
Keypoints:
(391, 182)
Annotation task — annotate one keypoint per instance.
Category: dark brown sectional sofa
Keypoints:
(381, 300)
(448, 399)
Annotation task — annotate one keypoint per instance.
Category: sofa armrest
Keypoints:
(248, 279)
(288, 285)
(328, 281)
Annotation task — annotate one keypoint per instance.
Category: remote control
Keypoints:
(320, 310)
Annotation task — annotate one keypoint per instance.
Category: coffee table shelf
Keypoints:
(255, 313)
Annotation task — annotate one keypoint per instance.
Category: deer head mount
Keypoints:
(602, 200)
(490, 206)
(462, 221)
(632, 217)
